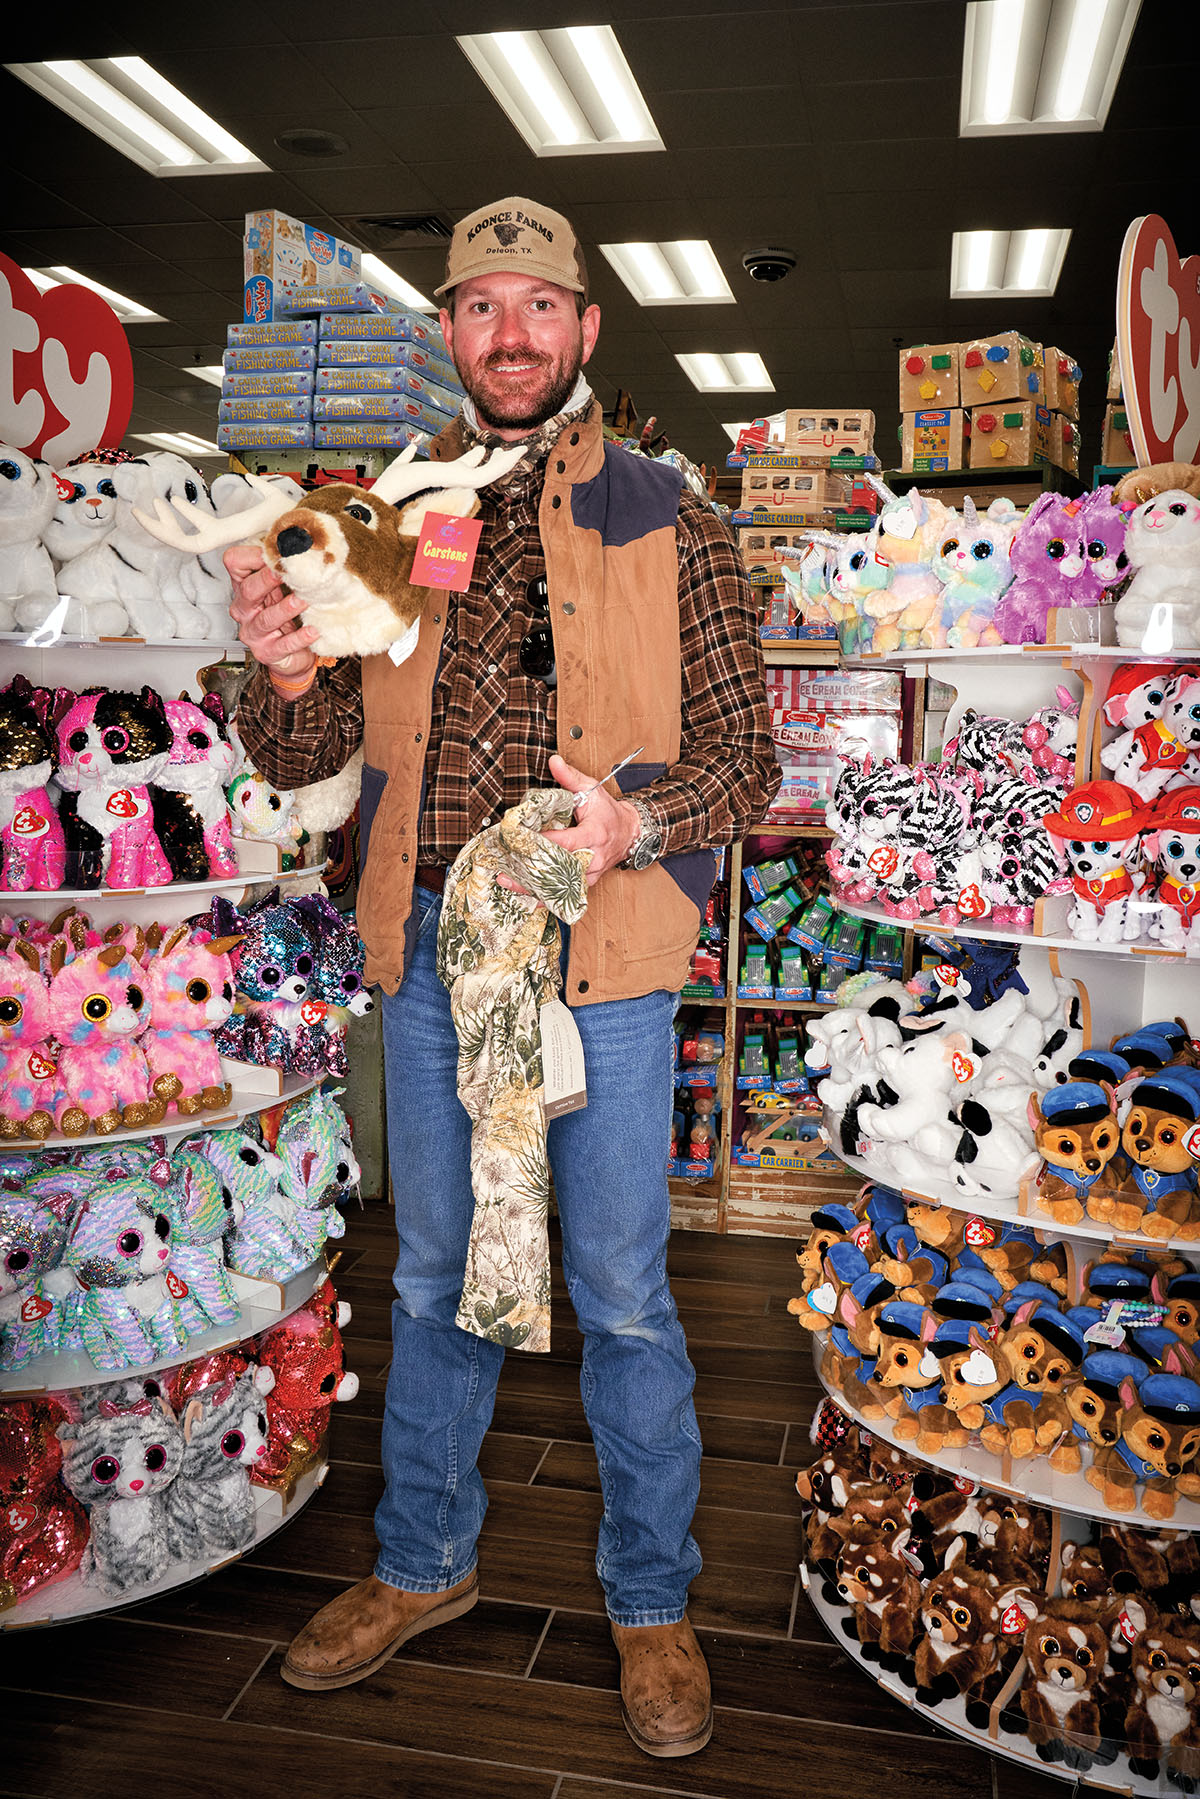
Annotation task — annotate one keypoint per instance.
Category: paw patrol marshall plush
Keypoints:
(1100, 827)
(1174, 842)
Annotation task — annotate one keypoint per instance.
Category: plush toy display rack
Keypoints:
(1129, 983)
(951, 1716)
(173, 666)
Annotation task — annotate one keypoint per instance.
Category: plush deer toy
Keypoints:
(347, 553)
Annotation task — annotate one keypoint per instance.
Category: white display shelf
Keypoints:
(218, 645)
(245, 1101)
(1048, 931)
(56, 899)
(1009, 655)
(69, 1600)
(1032, 1479)
(951, 1716)
(1008, 1209)
(264, 1303)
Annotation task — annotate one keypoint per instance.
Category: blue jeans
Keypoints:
(636, 1381)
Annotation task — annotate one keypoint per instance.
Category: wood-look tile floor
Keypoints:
(182, 1696)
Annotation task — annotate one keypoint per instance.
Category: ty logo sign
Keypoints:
(66, 374)
(1158, 343)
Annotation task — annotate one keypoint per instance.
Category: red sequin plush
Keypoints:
(209, 1371)
(43, 1530)
(305, 1355)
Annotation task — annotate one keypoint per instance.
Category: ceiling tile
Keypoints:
(384, 71)
(734, 52)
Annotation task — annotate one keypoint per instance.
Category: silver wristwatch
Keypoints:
(648, 845)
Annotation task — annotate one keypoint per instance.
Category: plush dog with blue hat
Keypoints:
(1160, 1439)
(1156, 1191)
(1077, 1135)
(1095, 1406)
(848, 1362)
(1040, 1350)
(1013, 1254)
(843, 1264)
(971, 1371)
(915, 1271)
(830, 1224)
(907, 1365)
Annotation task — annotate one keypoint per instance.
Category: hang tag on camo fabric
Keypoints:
(564, 1083)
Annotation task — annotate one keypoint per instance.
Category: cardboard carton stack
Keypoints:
(1117, 452)
(382, 380)
(267, 388)
(815, 481)
(991, 402)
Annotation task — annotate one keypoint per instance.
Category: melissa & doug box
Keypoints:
(994, 369)
(928, 377)
(936, 440)
(1016, 434)
(278, 250)
(826, 431)
(1061, 377)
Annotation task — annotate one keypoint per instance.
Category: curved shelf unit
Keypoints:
(1033, 1479)
(244, 1102)
(1009, 655)
(54, 899)
(1048, 930)
(69, 1600)
(24, 640)
(264, 1303)
(1116, 1777)
(1009, 1210)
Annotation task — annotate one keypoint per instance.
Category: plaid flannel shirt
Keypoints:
(492, 730)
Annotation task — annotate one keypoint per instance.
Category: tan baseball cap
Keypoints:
(518, 235)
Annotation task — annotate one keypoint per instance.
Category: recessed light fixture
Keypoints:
(737, 371)
(394, 284)
(1042, 65)
(182, 442)
(136, 110)
(128, 311)
(685, 273)
(568, 92)
(1007, 264)
(206, 371)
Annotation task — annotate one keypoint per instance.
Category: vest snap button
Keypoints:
(583, 986)
(568, 607)
(577, 730)
(556, 502)
(404, 857)
(417, 738)
(574, 437)
(437, 618)
(560, 468)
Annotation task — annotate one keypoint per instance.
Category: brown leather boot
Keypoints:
(362, 1628)
(666, 1702)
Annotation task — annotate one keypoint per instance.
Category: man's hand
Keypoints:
(265, 613)
(607, 827)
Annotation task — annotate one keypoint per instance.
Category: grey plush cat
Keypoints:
(210, 1507)
(119, 1460)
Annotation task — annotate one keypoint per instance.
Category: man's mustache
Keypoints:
(505, 358)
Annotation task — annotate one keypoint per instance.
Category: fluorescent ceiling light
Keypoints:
(128, 311)
(206, 371)
(1042, 65)
(673, 274)
(182, 442)
(396, 285)
(138, 111)
(568, 92)
(1007, 264)
(740, 371)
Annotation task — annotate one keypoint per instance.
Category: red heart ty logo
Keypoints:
(35, 1309)
(979, 1234)
(40, 1067)
(313, 1011)
(29, 822)
(1013, 1622)
(175, 1287)
(883, 861)
(72, 372)
(1158, 329)
(122, 804)
(21, 1517)
(971, 902)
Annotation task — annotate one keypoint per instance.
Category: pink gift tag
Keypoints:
(446, 552)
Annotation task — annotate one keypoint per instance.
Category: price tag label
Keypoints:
(446, 551)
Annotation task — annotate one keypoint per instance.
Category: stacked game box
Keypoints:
(383, 379)
(267, 386)
(989, 402)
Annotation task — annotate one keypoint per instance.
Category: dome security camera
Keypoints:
(771, 264)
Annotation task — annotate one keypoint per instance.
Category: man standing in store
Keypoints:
(606, 610)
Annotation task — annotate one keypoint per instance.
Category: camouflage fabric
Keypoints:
(498, 955)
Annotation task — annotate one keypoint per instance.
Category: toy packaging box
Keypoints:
(362, 406)
(260, 408)
(804, 490)
(928, 377)
(1118, 451)
(387, 353)
(286, 359)
(396, 380)
(827, 432)
(279, 251)
(994, 369)
(1016, 435)
(1062, 375)
(405, 327)
(833, 689)
(254, 335)
(935, 440)
(369, 434)
(1064, 443)
(354, 297)
(294, 381)
(265, 434)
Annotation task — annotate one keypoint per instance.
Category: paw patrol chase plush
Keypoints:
(1076, 1132)
(1157, 1188)
(1160, 1438)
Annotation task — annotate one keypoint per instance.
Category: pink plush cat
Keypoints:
(98, 1008)
(199, 769)
(28, 1065)
(191, 989)
(1049, 561)
(111, 748)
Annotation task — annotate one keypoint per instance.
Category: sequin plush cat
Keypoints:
(33, 849)
(119, 1249)
(110, 750)
(119, 1461)
(198, 770)
(210, 1504)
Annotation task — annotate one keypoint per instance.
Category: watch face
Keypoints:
(646, 850)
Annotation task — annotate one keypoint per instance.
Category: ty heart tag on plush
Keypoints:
(883, 861)
(978, 1370)
(823, 1298)
(861, 1237)
(40, 1067)
(35, 1308)
(1158, 336)
(979, 1234)
(947, 975)
(175, 1287)
(1013, 1621)
(1192, 1143)
(964, 1068)
(1126, 1628)
(124, 804)
(21, 1517)
(967, 1487)
(313, 1011)
(29, 822)
(971, 903)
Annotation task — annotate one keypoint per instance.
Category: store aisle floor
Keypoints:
(519, 1699)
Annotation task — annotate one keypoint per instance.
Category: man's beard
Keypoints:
(543, 393)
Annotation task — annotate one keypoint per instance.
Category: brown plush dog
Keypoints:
(1077, 1138)
(1038, 1352)
(1014, 1543)
(1162, 1723)
(907, 1366)
(1155, 1191)
(858, 1330)
(1066, 1650)
(965, 1613)
(825, 1488)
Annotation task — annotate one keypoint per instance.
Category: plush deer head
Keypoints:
(346, 552)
